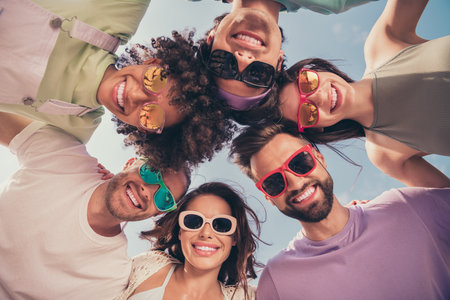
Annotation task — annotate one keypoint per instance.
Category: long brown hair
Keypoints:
(241, 262)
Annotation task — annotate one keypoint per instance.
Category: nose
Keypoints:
(138, 96)
(293, 182)
(243, 58)
(148, 191)
(206, 231)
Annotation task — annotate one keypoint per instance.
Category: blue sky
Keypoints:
(308, 35)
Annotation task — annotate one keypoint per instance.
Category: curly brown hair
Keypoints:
(241, 262)
(206, 127)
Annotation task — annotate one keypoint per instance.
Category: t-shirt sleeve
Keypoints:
(432, 206)
(266, 288)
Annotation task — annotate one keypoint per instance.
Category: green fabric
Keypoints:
(325, 7)
(76, 68)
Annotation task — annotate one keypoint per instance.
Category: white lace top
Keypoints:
(147, 264)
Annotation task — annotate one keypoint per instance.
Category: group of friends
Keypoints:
(177, 102)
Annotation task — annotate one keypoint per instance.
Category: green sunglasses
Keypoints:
(163, 198)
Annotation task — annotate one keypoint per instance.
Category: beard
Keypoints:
(316, 211)
(112, 204)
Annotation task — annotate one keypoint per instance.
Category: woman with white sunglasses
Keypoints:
(401, 105)
(202, 250)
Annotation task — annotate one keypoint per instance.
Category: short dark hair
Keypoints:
(344, 129)
(241, 262)
(253, 138)
(206, 127)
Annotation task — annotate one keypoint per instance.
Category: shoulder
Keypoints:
(233, 292)
(143, 266)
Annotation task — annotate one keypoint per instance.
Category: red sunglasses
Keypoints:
(308, 114)
(301, 164)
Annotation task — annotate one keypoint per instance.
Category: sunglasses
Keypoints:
(194, 221)
(308, 114)
(151, 115)
(301, 163)
(163, 198)
(223, 64)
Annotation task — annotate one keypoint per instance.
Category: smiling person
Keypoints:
(60, 223)
(243, 49)
(63, 71)
(396, 246)
(400, 105)
(211, 250)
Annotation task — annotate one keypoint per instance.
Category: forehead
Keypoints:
(274, 154)
(209, 205)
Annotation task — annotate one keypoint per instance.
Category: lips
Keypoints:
(249, 39)
(119, 94)
(132, 197)
(334, 98)
(204, 249)
(305, 195)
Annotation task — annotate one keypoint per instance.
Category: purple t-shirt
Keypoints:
(395, 247)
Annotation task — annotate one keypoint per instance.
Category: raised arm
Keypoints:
(10, 126)
(394, 30)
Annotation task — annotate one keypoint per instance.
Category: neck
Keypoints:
(269, 6)
(99, 217)
(328, 227)
(363, 106)
(197, 283)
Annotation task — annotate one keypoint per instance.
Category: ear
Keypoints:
(211, 36)
(233, 242)
(320, 158)
(269, 200)
(280, 60)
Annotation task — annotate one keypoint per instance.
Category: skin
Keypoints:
(197, 278)
(257, 20)
(109, 204)
(394, 31)
(135, 95)
(272, 156)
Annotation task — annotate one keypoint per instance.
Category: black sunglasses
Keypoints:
(223, 64)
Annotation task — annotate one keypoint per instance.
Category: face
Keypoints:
(308, 198)
(123, 93)
(129, 198)
(251, 35)
(334, 99)
(205, 250)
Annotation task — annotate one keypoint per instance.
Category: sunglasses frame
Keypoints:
(155, 103)
(207, 220)
(303, 99)
(285, 167)
(239, 75)
(161, 188)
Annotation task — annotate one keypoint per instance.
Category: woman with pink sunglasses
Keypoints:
(202, 250)
(401, 105)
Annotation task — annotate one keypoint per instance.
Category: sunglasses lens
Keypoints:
(192, 221)
(308, 81)
(148, 175)
(274, 184)
(154, 79)
(151, 117)
(164, 200)
(221, 225)
(223, 64)
(259, 74)
(302, 163)
(308, 114)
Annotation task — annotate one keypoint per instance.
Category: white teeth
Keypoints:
(132, 198)
(334, 98)
(309, 191)
(205, 248)
(120, 94)
(249, 39)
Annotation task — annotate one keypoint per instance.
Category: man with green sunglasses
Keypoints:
(59, 218)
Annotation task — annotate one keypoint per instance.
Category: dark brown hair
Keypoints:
(241, 262)
(206, 127)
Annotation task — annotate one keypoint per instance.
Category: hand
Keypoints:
(106, 173)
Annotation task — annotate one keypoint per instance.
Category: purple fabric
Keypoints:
(395, 247)
(237, 102)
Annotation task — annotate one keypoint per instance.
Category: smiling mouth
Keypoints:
(305, 195)
(249, 39)
(132, 198)
(205, 250)
(334, 98)
(120, 98)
